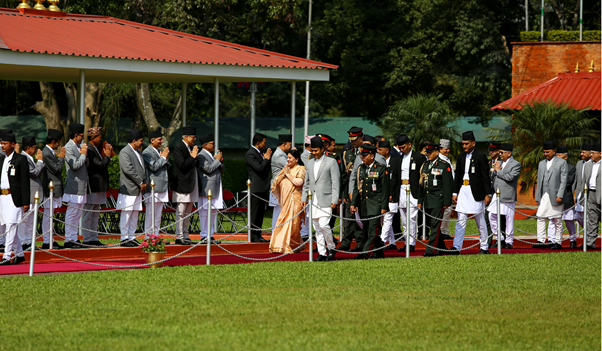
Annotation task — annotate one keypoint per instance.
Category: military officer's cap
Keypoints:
(10, 137)
(76, 128)
(402, 140)
(585, 146)
(431, 147)
(135, 134)
(157, 133)
(55, 134)
(596, 147)
(495, 146)
(507, 147)
(188, 131)
(444, 143)
(206, 139)
(28, 141)
(316, 142)
(548, 145)
(368, 149)
(369, 138)
(468, 136)
(355, 132)
(384, 143)
(562, 149)
(285, 138)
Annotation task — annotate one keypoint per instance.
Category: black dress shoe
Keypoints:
(539, 245)
(18, 259)
(573, 244)
(135, 242)
(403, 249)
(431, 254)
(446, 237)
(55, 246)
(26, 246)
(391, 247)
(127, 243)
(72, 245)
(483, 252)
(508, 246)
(356, 249)
(453, 251)
(331, 254)
(588, 247)
(183, 242)
(4, 262)
(262, 240)
(343, 248)
(361, 257)
(321, 258)
(95, 243)
(556, 247)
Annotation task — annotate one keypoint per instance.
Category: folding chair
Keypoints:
(233, 213)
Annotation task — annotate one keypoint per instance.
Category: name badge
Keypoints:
(435, 182)
(12, 172)
(472, 170)
(373, 187)
(414, 166)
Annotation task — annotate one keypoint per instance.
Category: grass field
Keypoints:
(527, 301)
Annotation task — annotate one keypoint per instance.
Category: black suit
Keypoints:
(19, 183)
(480, 183)
(98, 171)
(418, 159)
(395, 153)
(567, 199)
(395, 169)
(184, 169)
(258, 170)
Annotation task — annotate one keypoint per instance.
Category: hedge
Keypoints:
(561, 35)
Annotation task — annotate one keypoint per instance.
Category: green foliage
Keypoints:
(531, 36)
(114, 172)
(560, 35)
(542, 121)
(421, 117)
(153, 243)
(592, 35)
(235, 178)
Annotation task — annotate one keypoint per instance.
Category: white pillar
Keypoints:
(542, 9)
(82, 96)
(293, 94)
(184, 93)
(306, 116)
(252, 90)
(216, 118)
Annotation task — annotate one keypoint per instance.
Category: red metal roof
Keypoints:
(108, 37)
(579, 90)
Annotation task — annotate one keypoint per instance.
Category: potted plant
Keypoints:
(154, 247)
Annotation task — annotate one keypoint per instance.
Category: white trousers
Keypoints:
(570, 226)
(26, 227)
(446, 218)
(46, 222)
(404, 219)
(90, 221)
(461, 229)
(388, 234)
(554, 235)
(305, 225)
(277, 210)
(203, 220)
(127, 224)
(509, 226)
(182, 210)
(323, 234)
(2, 234)
(148, 218)
(74, 212)
(12, 242)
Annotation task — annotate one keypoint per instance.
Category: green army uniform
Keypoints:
(370, 197)
(350, 228)
(436, 189)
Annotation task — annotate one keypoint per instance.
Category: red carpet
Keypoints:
(223, 259)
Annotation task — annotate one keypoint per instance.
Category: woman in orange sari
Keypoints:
(287, 187)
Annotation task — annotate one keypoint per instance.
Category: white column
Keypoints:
(184, 93)
(293, 94)
(252, 90)
(306, 116)
(216, 117)
(82, 96)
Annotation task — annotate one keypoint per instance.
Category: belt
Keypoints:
(5, 191)
(466, 182)
(405, 181)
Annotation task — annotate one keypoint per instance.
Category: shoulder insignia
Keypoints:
(338, 161)
(386, 172)
(449, 169)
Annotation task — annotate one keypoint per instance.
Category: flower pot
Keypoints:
(152, 257)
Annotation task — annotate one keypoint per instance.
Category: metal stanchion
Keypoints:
(499, 220)
(585, 218)
(423, 225)
(408, 226)
(341, 221)
(33, 233)
(51, 214)
(249, 210)
(311, 234)
(209, 233)
(152, 205)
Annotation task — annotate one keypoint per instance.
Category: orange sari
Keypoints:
(287, 238)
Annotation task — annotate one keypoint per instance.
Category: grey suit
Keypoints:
(35, 183)
(506, 179)
(77, 171)
(53, 171)
(326, 186)
(156, 169)
(278, 162)
(210, 170)
(358, 161)
(552, 181)
(132, 171)
(593, 203)
(579, 183)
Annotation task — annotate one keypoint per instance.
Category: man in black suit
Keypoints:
(185, 183)
(410, 163)
(258, 169)
(472, 191)
(14, 196)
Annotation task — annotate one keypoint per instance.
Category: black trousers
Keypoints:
(350, 229)
(257, 213)
(435, 236)
(371, 236)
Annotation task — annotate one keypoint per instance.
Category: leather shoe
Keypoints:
(183, 242)
(4, 262)
(127, 243)
(95, 243)
(26, 246)
(18, 259)
(134, 241)
(403, 249)
(508, 246)
(361, 257)
(431, 254)
(331, 254)
(483, 252)
(573, 244)
(72, 245)
(391, 247)
(453, 251)
(260, 240)
(55, 246)
(588, 247)
(446, 237)
(539, 245)
(322, 258)
(356, 249)
(343, 248)
(556, 247)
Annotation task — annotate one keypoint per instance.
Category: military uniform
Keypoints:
(370, 197)
(436, 190)
(351, 229)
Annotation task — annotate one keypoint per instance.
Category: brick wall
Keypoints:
(538, 62)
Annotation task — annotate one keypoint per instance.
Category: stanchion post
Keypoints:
(499, 220)
(311, 234)
(51, 214)
(249, 210)
(209, 196)
(341, 221)
(585, 218)
(33, 233)
(423, 225)
(408, 226)
(152, 205)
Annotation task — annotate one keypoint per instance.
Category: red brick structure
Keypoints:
(536, 62)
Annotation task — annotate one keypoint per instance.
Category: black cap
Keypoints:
(135, 134)
(548, 145)
(207, 138)
(355, 132)
(4, 131)
(188, 131)
(369, 138)
(55, 134)
(10, 137)
(469, 136)
(495, 146)
(562, 149)
(368, 149)
(285, 138)
(76, 128)
(402, 140)
(596, 147)
(156, 134)
(384, 143)
(316, 142)
(507, 147)
(431, 147)
(586, 147)
(28, 141)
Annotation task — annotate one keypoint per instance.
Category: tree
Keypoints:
(541, 121)
(420, 117)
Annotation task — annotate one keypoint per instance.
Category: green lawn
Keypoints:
(537, 301)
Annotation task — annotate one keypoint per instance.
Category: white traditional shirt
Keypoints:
(466, 202)
(592, 180)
